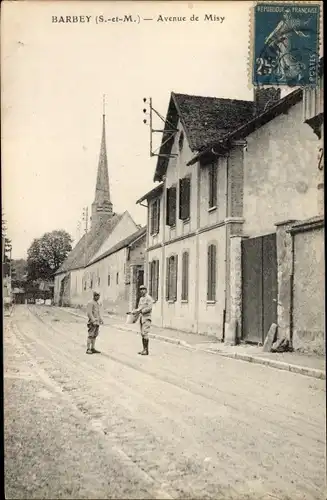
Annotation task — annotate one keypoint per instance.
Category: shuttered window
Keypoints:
(171, 277)
(154, 279)
(171, 206)
(155, 216)
(108, 279)
(185, 275)
(184, 198)
(212, 270)
(213, 185)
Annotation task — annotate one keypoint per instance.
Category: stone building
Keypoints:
(231, 171)
(74, 280)
(118, 273)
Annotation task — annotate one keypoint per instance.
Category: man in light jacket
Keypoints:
(144, 310)
(94, 321)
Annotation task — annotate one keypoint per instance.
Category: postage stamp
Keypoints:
(285, 44)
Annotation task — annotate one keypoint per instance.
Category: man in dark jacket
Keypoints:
(94, 321)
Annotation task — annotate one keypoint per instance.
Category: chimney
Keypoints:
(264, 98)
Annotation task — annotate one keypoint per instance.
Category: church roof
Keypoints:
(102, 191)
(126, 242)
(89, 245)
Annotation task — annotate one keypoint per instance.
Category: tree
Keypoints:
(46, 254)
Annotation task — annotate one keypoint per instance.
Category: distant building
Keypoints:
(73, 280)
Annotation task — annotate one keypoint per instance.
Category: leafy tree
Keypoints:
(46, 254)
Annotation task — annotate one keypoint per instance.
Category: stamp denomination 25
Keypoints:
(286, 44)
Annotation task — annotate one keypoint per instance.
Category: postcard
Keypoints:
(163, 249)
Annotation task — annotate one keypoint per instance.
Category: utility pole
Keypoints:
(78, 232)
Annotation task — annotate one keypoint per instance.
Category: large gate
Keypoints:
(259, 287)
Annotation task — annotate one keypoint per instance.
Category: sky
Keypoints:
(54, 76)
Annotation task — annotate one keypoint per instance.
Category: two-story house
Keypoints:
(232, 170)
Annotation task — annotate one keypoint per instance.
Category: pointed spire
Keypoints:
(102, 204)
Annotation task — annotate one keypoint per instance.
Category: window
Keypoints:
(184, 198)
(213, 185)
(99, 281)
(91, 282)
(155, 216)
(154, 279)
(84, 279)
(181, 140)
(171, 206)
(185, 268)
(171, 278)
(212, 270)
(117, 278)
(108, 279)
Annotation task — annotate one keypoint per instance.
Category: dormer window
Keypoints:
(181, 140)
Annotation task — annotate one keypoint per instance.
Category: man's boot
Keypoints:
(145, 351)
(94, 351)
(89, 347)
(144, 347)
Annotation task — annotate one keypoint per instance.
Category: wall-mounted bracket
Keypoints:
(172, 131)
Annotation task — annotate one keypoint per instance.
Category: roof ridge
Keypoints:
(214, 97)
(118, 246)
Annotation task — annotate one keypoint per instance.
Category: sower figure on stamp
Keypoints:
(94, 321)
(145, 310)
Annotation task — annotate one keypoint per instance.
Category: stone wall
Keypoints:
(309, 287)
(301, 284)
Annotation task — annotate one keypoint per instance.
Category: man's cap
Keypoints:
(143, 287)
(95, 292)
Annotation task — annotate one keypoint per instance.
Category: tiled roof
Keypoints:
(205, 120)
(251, 124)
(129, 240)
(89, 244)
(151, 194)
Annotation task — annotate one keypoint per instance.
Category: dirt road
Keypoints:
(175, 424)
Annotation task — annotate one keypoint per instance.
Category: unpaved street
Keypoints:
(175, 424)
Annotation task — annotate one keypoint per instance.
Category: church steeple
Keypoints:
(102, 206)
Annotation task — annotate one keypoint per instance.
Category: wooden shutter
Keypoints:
(214, 271)
(158, 215)
(150, 278)
(212, 185)
(175, 261)
(167, 277)
(184, 198)
(167, 206)
(152, 218)
(172, 206)
(185, 267)
(209, 284)
(181, 198)
(187, 197)
(211, 292)
(156, 281)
